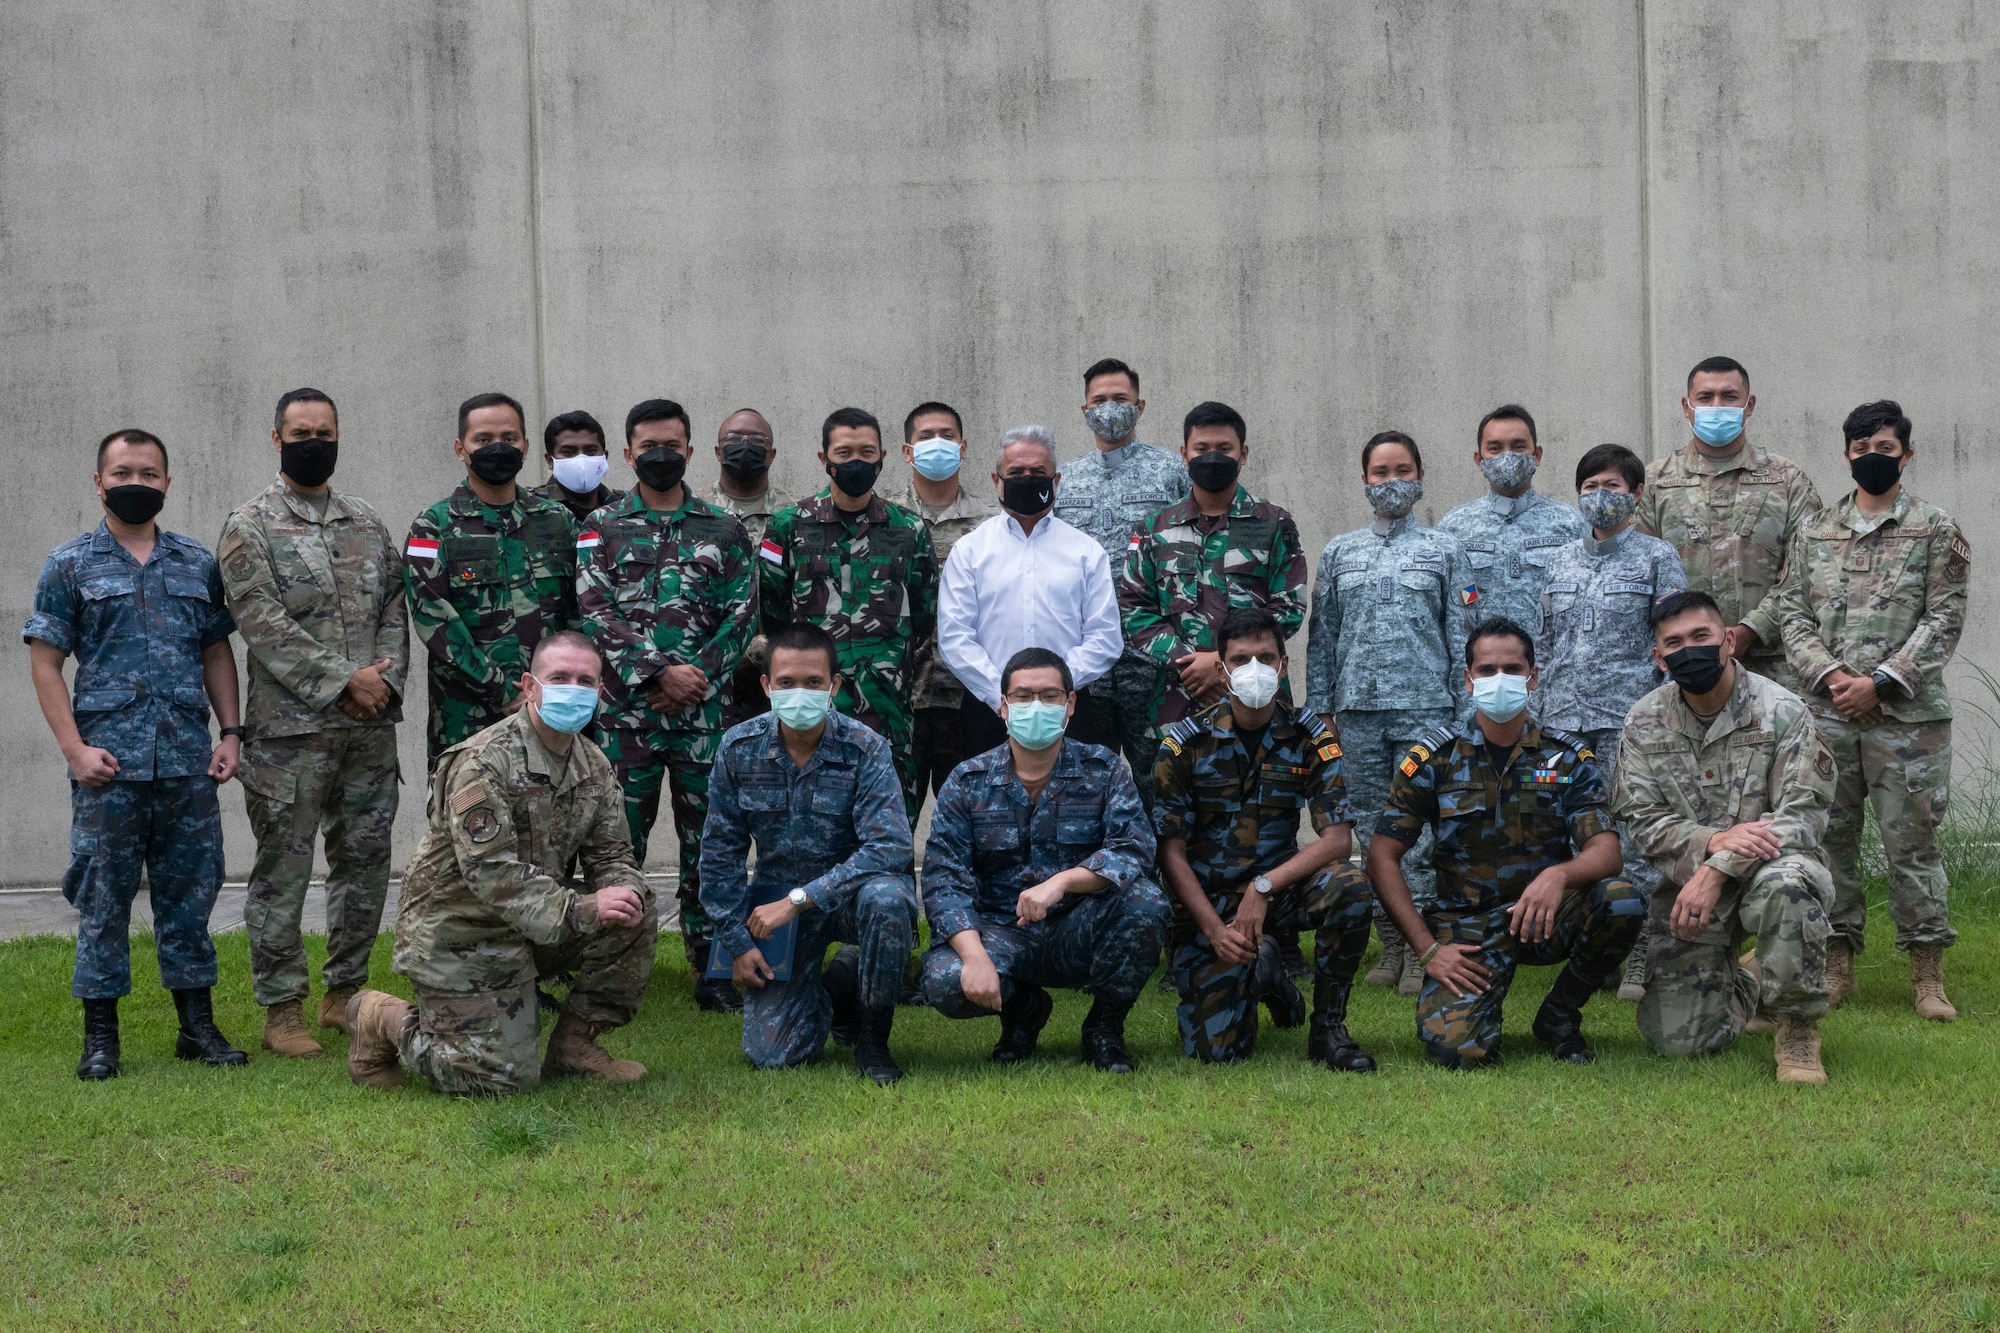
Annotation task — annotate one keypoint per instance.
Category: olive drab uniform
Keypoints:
(1884, 596)
(745, 697)
(1733, 519)
(485, 586)
(1509, 542)
(580, 507)
(935, 694)
(661, 589)
(317, 593)
(870, 579)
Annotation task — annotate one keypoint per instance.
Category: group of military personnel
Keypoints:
(1624, 736)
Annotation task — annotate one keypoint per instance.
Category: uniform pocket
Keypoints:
(994, 833)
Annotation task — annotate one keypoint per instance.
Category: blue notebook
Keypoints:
(777, 952)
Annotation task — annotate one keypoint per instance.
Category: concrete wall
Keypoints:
(1336, 217)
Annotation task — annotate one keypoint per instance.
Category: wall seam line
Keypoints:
(536, 276)
(1649, 374)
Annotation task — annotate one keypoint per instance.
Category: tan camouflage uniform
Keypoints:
(935, 693)
(744, 698)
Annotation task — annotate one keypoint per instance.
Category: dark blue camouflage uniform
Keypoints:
(836, 828)
(989, 843)
(138, 633)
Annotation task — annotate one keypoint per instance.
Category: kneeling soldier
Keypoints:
(1725, 784)
(1526, 860)
(484, 914)
(1035, 876)
(820, 795)
(1227, 791)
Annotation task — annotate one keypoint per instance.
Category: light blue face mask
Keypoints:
(1036, 725)
(801, 710)
(566, 708)
(937, 458)
(1717, 426)
(1500, 697)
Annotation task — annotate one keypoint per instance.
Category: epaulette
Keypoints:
(1424, 747)
(1179, 734)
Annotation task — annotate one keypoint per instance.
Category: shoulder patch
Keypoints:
(231, 541)
(468, 798)
(1959, 560)
(1823, 763)
(482, 825)
(1329, 751)
(1572, 741)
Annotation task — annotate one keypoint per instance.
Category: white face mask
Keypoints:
(580, 475)
(1254, 684)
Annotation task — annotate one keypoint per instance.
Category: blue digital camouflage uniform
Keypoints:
(1238, 812)
(138, 633)
(835, 828)
(989, 843)
(1509, 543)
(1385, 657)
(1495, 832)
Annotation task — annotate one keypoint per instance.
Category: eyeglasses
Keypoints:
(1055, 697)
(738, 437)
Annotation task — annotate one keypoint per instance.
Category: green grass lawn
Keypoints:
(1634, 1194)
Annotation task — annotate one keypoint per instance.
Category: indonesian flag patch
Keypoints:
(1132, 542)
(772, 551)
(585, 541)
(422, 548)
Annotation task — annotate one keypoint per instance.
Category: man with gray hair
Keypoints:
(1023, 579)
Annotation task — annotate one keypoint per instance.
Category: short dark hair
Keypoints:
(1604, 458)
(1110, 365)
(1031, 659)
(1499, 627)
(800, 637)
(131, 435)
(565, 638)
(1719, 365)
(1214, 414)
(569, 421)
(1682, 602)
(926, 409)
(303, 396)
(853, 417)
(1381, 437)
(1246, 622)
(657, 409)
(1506, 412)
(1868, 418)
(479, 400)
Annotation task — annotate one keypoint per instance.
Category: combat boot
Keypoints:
(285, 1031)
(1293, 956)
(842, 982)
(1104, 1037)
(375, 1021)
(1559, 1022)
(871, 1048)
(1632, 986)
(1388, 969)
(1328, 1042)
(573, 1049)
(333, 1008)
(1797, 1050)
(1927, 979)
(100, 1041)
(1277, 990)
(1840, 987)
(1759, 1020)
(199, 1037)
(1411, 982)
(713, 995)
(1022, 1019)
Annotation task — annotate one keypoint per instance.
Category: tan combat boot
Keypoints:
(375, 1020)
(1759, 1021)
(1927, 979)
(1412, 980)
(1388, 969)
(285, 1032)
(1797, 1049)
(1840, 986)
(573, 1049)
(1632, 983)
(333, 1008)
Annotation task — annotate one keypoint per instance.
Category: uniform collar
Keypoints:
(1113, 459)
(336, 505)
(1747, 456)
(1735, 714)
(965, 506)
(831, 741)
(1067, 765)
(1221, 719)
(467, 505)
(560, 770)
(164, 543)
(1184, 511)
(1609, 546)
(759, 505)
(1850, 516)
(1511, 507)
(1386, 528)
(1531, 735)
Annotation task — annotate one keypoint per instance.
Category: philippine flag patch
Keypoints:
(771, 551)
(422, 548)
(585, 541)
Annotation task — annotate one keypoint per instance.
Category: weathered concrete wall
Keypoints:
(1336, 217)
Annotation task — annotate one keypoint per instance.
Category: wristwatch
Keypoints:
(232, 731)
(1262, 884)
(1885, 685)
(799, 899)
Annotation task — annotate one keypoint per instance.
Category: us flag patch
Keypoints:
(771, 551)
(421, 548)
(586, 541)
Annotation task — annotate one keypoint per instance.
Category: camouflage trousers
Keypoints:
(1604, 744)
(1698, 999)
(1594, 930)
(646, 760)
(343, 782)
(487, 1041)
(171, 830)
(457, 712)
(1218, 1008)
(870, 699)
(1903, 769)
(1106, 945)
(1372, 742)
(1119, 710)
(785, 1023)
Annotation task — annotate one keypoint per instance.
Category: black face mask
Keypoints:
(496, 464)
(745, 462)
(308, 462)
(1214, 472)
(661, 468)
(134, 504)
(1875, 473)
(854, 477)
(1697, 669)
(1027, 496)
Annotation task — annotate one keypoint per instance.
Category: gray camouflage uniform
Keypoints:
(1509, 543)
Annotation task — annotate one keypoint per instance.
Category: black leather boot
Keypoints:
(100, 1041)
(842, 980)
(1022, 1019)
(871, 1049)
(199, 1038)
(713, 995)
(1559, 1023)
(1329, 1043)
(1104, 1037)
(1271, 984)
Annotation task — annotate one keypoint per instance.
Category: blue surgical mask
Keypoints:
(1717, 426)
(1036, 725)
(937, 457)
(1500, 697)
(801, 710)
(566, 708)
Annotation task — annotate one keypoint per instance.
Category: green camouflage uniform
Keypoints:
(935, 695)
(1732, 519)
(743, 698)
(869, 579)
(317, 595)
(663, 589)
(1680, 782)
(580, 507)
(1881, 598)
(484, 912)
(485, 585)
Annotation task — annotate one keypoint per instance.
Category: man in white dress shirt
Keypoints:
(1023, 579)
